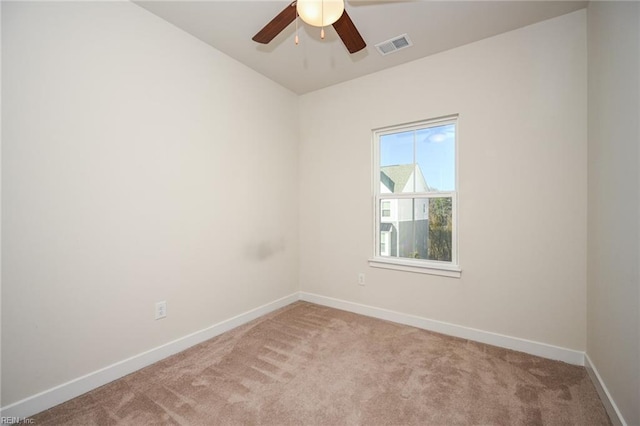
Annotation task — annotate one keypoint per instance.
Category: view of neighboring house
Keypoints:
(404, 223)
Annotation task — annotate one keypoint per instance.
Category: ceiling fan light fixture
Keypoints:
(320, 13)
(336, 16)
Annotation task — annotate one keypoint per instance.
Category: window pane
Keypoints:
(396, 148)
(417, 228)
(396, 162)
(435, 155)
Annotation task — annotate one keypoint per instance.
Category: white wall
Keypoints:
(139, 165)
(613, 319)
(521, 97)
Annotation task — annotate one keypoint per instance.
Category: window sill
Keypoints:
(419, 267)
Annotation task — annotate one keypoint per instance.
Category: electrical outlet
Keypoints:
(161, 310)
(361, 278)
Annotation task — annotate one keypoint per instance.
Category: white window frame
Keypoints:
(434, 267)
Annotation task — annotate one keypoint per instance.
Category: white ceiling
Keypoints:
(432, 26)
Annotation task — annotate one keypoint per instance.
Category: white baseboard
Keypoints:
(534, 348)
(612, 409)
(66, 391)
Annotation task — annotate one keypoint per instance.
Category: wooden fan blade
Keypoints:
(276, 25)
(349, 33)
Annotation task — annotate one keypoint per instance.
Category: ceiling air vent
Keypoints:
(394, 44)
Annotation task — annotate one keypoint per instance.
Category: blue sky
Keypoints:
(434, 151)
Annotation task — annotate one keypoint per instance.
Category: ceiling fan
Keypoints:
(319, 13)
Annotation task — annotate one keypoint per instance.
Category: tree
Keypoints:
(440, 229)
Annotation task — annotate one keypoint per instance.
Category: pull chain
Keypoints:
(297, 40)
(322, 17)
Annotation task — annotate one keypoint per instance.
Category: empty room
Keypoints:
(322, 212)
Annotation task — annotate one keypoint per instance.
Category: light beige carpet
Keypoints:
(310, 365)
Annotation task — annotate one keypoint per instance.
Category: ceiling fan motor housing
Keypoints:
(320, 13)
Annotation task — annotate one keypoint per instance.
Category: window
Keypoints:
(415, 190)
(384, 243)
(386, 209)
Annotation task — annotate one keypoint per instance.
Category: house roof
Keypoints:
(396, 177)
(386, 227)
